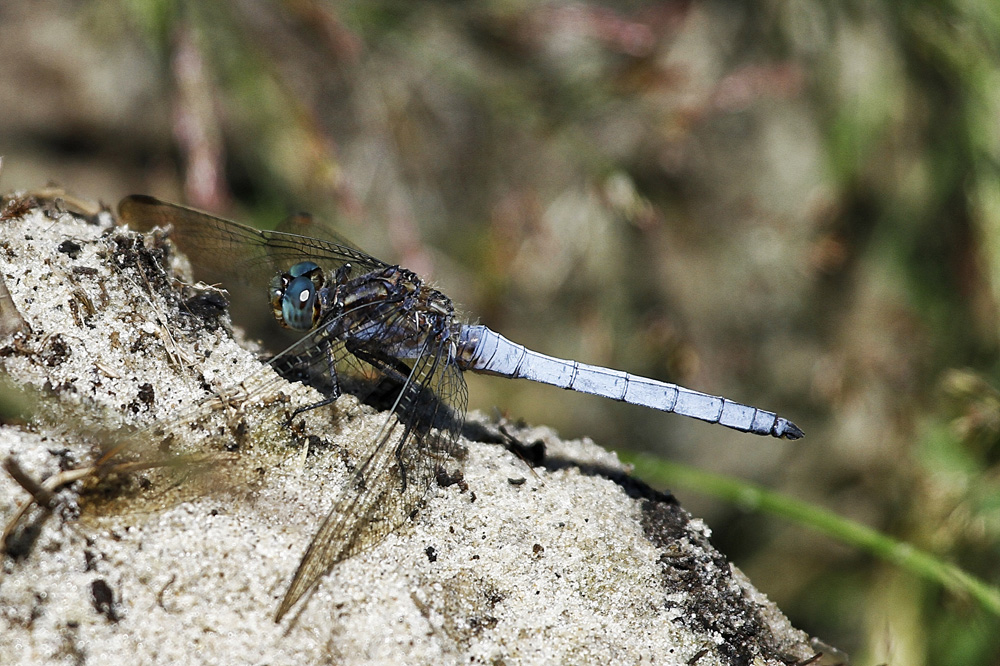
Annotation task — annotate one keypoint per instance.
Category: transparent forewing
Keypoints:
(319, 359)
(311, 353)
(223, 248)
(418, 434)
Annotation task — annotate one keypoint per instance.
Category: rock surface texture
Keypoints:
(179, 548)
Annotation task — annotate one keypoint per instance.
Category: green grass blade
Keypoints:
(757, 498)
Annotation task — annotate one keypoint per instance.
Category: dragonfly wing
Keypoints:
(222, 248)
(422, 428)
(305, 224)
(310, 355)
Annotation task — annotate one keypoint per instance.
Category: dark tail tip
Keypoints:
(785, 429)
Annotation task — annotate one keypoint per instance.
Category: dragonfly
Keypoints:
(362, 317)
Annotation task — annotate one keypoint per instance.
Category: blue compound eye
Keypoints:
(295, 296)
(301, 268)
(298, 304)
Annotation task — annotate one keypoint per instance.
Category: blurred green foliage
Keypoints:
(795, 204)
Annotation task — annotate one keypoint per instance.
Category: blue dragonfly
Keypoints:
(362, 318)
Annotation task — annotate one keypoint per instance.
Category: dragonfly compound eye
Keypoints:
(295, 296)
(299, 304)
(304, 268)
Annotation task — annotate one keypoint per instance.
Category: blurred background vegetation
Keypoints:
(792, 203)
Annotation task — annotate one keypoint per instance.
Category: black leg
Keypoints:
(330, 389)
(399, 372)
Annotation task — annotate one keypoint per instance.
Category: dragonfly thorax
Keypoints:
(391, 306)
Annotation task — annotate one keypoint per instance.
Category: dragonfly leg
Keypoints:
(291, 369)
(399, 372)
(393, 367)
(322, 403)
(391, 377)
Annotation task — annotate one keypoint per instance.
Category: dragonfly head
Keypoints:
(295, 296)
